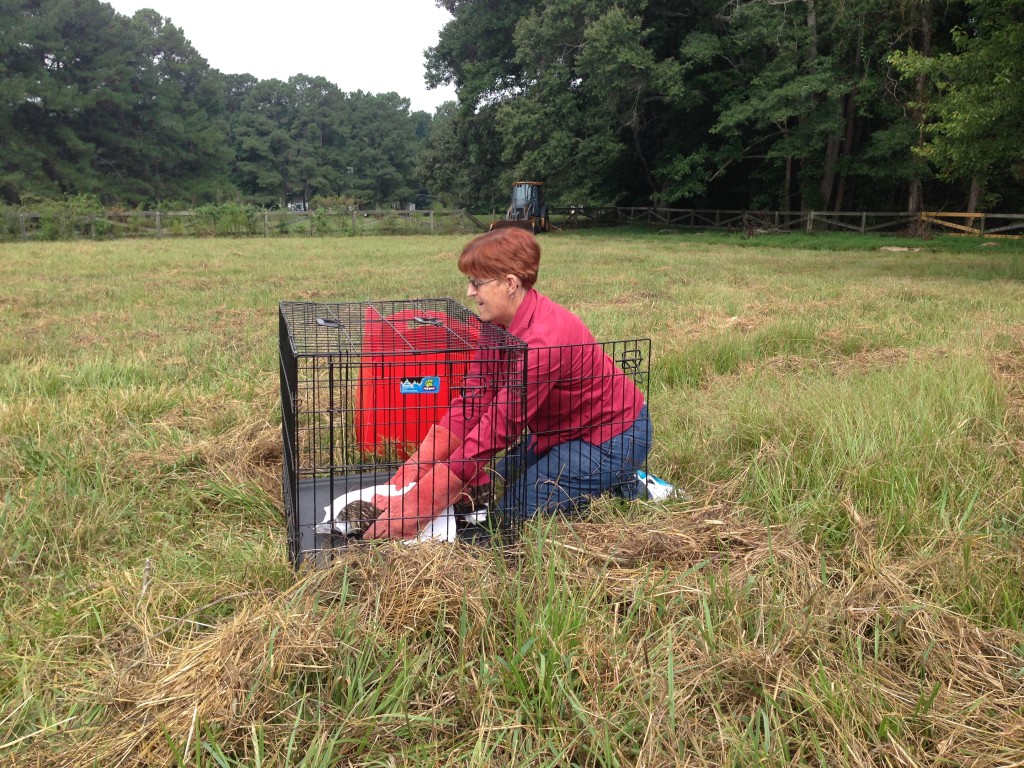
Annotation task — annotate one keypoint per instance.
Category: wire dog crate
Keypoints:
(363, 383)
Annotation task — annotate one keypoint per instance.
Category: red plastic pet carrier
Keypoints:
(409, 366)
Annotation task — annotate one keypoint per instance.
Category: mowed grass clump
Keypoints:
(841, 586)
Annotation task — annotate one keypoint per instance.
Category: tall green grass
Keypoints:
(846, 423)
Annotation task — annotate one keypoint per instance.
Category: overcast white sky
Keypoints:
(368, 45)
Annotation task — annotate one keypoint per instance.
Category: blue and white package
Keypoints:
(653, 487)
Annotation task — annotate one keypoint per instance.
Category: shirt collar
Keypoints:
(524, 314)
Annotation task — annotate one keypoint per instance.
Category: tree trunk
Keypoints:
(850, 114)
(849, 140)
(787, 185)
(812, 58)
(915, 196)
(977, 187)
(812, 27)
(655, 187)
(828, 175)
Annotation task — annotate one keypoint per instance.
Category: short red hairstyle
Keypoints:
(500, 252)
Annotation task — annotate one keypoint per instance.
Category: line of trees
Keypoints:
(770, 104)
(759, 104)
(95, 103)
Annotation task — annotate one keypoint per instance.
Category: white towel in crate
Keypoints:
(441, 528)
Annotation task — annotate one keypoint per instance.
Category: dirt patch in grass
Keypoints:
(845, 365)
(888, 357)
(316, 296)
(636, 299)
(249, 453)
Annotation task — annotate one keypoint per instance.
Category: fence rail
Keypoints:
(243, 222)
(978, 224)
(237, 222)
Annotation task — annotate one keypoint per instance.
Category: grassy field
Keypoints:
(844, 585)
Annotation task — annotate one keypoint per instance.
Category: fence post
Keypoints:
(810, 221)
(981, 226)
(21, 224)
(431, 219)
(159, 231)
(266, 224)
(353, 221)
(863, 222)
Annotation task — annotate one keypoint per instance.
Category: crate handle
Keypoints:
(421, 320)
(329, 322)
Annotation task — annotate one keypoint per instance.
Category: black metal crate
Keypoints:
(361, 384)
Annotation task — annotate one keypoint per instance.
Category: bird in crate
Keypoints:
(351, 513)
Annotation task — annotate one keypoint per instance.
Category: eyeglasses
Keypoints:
(478, 284)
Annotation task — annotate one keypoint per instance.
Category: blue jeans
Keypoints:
(569, 475)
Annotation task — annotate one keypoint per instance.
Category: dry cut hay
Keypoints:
(247, 454)
(396, 589)
(226, 679)
(235, 676)
(850, 662)
(861, 668)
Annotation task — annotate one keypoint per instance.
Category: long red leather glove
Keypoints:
(438, 445)
(402, 517)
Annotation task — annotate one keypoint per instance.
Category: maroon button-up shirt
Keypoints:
(574, 391)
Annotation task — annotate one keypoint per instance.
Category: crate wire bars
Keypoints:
(586, 406)
(362, 384)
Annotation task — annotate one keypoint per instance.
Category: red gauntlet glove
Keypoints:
(403, 516)
(438, 445)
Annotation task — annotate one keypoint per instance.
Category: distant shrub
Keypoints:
(233, 219)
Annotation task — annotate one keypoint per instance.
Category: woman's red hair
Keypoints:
(500, 252)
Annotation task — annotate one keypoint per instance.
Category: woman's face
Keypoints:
(494, 298)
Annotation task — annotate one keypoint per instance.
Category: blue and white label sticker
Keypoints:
(423, 385)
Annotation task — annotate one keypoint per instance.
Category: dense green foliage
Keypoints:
(784, 105)
(977, 122)
(93, 102)
(758, 104)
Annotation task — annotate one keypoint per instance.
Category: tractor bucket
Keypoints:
(518, 224)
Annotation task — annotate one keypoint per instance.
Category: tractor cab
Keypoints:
(527, 209)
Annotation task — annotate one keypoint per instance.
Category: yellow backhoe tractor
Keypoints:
(527, 209)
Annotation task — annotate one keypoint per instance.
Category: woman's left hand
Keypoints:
(403, 516)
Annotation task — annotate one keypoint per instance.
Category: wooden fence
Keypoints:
(244, 222)
(228, 222)
(978, 224)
